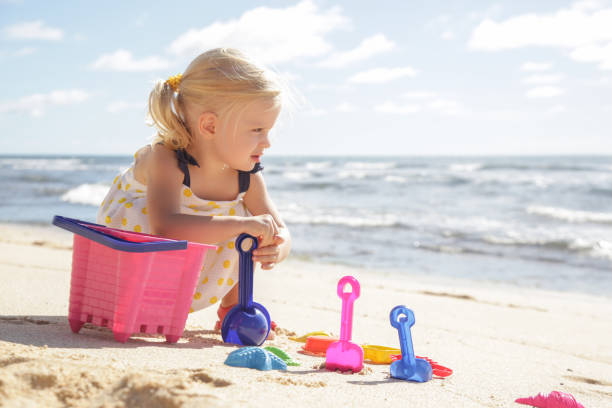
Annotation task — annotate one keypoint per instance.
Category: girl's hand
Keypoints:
(263, 227)
(269, 255)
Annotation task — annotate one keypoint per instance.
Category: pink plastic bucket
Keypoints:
(131, 282)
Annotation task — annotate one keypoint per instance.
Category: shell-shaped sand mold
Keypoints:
(255, 357)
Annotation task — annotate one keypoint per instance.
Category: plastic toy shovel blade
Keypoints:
(248, 323)
(246, 327)
(344, 355)
(409, 367)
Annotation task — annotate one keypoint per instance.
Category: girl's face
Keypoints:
(241, 142)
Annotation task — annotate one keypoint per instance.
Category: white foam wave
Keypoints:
(602, 249)
(465, 167)
(352, 174)
(370, 165)
(45, 164)
(89, 194)
(565, 214)
(297, 175)
(395, 179)
(318, 165)
(349, 221)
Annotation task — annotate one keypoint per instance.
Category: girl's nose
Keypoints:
(265, 140)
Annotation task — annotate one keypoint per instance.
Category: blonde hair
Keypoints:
(217, 80)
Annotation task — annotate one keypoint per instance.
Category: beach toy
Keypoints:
(408, 368)
(556, 399)
(131, 282)
(248, 323)
(317, 345)
(437, 369)
(343, 355)
(378, 354)
(282, 355)
(302, 339)
(255, 357)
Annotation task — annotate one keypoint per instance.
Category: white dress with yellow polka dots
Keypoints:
(124, 207)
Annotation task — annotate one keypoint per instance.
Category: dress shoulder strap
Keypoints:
(244, 177)
(183, 158)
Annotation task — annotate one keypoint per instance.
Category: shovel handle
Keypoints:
(403, 327)
(348, 298)
(245, 277)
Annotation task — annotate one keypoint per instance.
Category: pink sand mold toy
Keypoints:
(556, 399)
(131, 282)
(248, 323)
(344, 355)
(408, 368)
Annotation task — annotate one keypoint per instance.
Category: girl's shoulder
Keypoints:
(156, 161)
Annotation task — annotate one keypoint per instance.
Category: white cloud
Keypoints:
(33, 30)
(122, 106)
(122, 60)
(595, 53)
(607, 108)
(382, 75)
(419, 95)
(543, 79)
(447, 35)
(585, 29)
(545, 92)
(273, 34)
(315, 112)
(392, 107)
(554, 110)
(346, 107)
(37, 104)
(377, 44)
(536, 66)
(446, 106)
(428, 101)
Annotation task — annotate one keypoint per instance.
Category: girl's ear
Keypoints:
(207, 124)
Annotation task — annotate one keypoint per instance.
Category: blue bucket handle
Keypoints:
(82, 228)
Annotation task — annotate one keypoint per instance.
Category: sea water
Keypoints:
(529, 221)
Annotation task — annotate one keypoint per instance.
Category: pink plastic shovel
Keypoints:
(344, 355)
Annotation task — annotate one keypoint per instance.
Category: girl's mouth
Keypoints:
(256, 158)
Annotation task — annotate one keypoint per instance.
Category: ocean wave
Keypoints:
(541, 167)
(88, 194)
(601, 191)
(353, 174)
(318, 165)
(574, 216)
(343, 220)
(593, 248)
(465, 167)
(369, 165)
(36, 178)
(60, 164)
(297, 175)
(47, 164)
(395, 179)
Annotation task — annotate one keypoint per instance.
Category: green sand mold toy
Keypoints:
(282, 355)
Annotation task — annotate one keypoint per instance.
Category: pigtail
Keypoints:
(165, 113)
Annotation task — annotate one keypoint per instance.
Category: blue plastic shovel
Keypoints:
(408, 368)
(248, 323)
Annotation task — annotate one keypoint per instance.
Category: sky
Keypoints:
(370, 78)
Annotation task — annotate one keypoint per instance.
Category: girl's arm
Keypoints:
(258, 202)
(164, 187)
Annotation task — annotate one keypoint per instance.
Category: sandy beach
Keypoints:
(503, 342)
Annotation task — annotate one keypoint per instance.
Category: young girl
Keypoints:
(200, 180)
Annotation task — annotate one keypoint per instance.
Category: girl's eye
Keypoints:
(258, 130)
